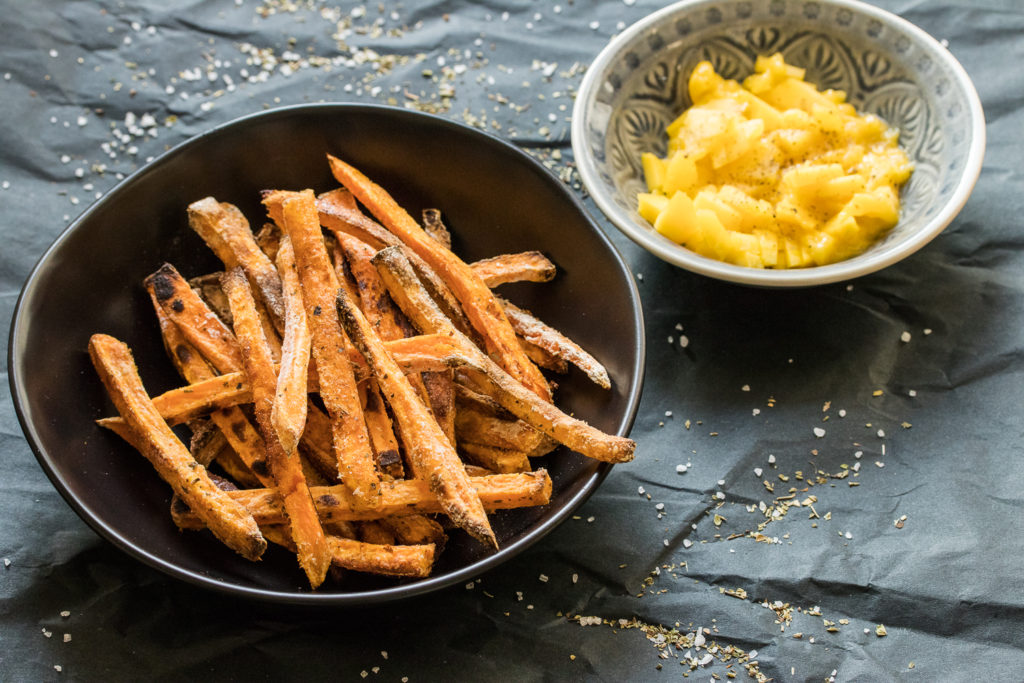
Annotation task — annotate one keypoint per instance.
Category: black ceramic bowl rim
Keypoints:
(390, 593)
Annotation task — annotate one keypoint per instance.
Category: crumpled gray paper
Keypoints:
(927, 544)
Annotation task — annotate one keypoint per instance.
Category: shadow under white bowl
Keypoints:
(638, 84)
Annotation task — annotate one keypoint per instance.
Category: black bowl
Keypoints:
(495, 199)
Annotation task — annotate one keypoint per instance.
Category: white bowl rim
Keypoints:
(797, 277)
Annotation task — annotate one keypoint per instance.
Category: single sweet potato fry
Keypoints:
(392, 560)
(431, 456)
(495, 459)
(398, 498)
(475, 426)
(198, 324)
(228, 520)
(479, 304)
(313, 553)
(527, 266)
(416, 530)
(414, 561)
(555, 343)
(376, 533)
(544, 359)
(288, 416)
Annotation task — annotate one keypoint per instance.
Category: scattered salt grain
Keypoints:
(927, 330)
(720, 495)
(659, 507)
(681, 469)
(771, 459)
(745, 387)
(67, 637)
(641, 490)
(684, 341)
(819, 432)
(687, 543)
(842, 412)
(668, 413)
(847, 535)
(758, 471)
(543, 578)
(911, 393)
(905, 337)
(881, 433)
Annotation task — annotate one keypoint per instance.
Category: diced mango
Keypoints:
(650, 205)
(678, 220)
(654, 171)
(773, 173)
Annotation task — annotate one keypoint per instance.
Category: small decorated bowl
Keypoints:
(887, 66)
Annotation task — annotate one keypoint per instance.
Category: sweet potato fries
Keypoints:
(348, 378)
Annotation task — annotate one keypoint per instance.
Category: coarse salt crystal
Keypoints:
(858, 454)
(681, 469)
(720, 495)
(905, 337)
(745, 387)
(684, 341)
(911, 393)
(842, 412)
(665, 542)
(668, 413)
(543, 578)
(847, 535)
(698, 638)
(881, 433)
(659, 506)
(641, 490)
(687, 543)
(819, 432)
(758, 471)
(771, 459)
(927, 330)
(752, 654)
(755, 412)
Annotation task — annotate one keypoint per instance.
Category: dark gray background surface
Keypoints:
(754, 380)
